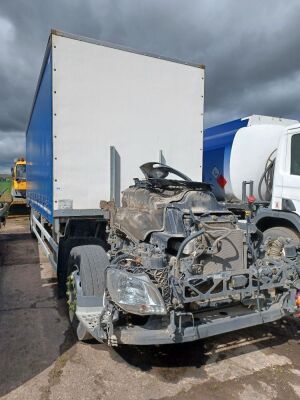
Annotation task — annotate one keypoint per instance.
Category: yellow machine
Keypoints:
(18, 185)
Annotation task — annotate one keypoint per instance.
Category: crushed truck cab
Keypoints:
(179, 268)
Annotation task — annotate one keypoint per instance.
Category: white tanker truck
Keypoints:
(254, 163)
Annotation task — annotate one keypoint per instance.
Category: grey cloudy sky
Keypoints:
(251, 50)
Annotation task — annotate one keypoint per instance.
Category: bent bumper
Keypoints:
(180, 327)
(210, 324)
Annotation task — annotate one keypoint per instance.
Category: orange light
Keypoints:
(297, 301)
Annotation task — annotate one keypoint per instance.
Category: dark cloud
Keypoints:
(12, 146)
(250, 49)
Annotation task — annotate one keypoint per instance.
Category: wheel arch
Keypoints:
(269, 219)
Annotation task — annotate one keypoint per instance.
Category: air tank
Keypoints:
(241, 150)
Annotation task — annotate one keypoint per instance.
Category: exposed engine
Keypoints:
(175, 234)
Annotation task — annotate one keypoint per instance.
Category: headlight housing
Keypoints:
(134, 293)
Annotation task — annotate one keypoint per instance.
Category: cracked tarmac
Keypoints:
(40, 358)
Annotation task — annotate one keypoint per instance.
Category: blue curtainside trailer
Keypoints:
(39, 145)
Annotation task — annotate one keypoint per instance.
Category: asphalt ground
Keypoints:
(40, 358)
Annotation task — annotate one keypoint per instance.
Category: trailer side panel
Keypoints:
(39, 152)
(103, 97)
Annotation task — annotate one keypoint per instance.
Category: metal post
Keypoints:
(162, 159)
(115, 176)
(244, 190)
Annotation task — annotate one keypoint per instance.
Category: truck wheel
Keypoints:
(86, 268)
(278, 231)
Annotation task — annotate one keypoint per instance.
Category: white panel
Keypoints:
(109, 97)
(250, 150)
(286, 185)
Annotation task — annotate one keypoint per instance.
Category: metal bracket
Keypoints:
(115, 176)
(45, 239)
(244, 190)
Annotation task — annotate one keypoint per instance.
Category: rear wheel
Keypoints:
(280, 231)
(86, 268)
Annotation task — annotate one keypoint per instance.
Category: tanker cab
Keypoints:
(286, 186)
(19, 178)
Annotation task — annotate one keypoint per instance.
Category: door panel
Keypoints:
(291, 177)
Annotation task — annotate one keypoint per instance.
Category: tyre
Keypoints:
(86, 273)
(284, 232)
(64, 250)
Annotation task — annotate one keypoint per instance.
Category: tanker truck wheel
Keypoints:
(284, 232)
(86, 268)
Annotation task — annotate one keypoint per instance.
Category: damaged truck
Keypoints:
(143, 257)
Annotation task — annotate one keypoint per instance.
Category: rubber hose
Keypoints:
(187, 240)
(122, 257)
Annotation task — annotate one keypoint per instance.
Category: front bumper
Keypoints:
(211, 324)
(18, 193)
(21, 193)
(104, 323)
(180, 327)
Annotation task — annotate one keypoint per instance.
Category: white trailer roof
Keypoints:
(57, 32)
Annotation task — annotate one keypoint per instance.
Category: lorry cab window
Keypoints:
(295, 154)
(21, 171)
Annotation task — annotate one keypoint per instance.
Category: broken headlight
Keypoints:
(135, 294)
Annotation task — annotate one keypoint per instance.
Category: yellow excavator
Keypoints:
(18, 184)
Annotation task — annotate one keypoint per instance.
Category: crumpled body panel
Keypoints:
(143, 210)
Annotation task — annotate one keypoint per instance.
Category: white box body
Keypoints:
(104, 96)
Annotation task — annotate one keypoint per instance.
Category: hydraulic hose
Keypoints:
(122, 257)
(187, 240)
(267, 178)
(224, 232)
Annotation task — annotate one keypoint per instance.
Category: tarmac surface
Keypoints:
(40, 358)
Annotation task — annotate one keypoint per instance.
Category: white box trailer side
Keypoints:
(105, 96)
